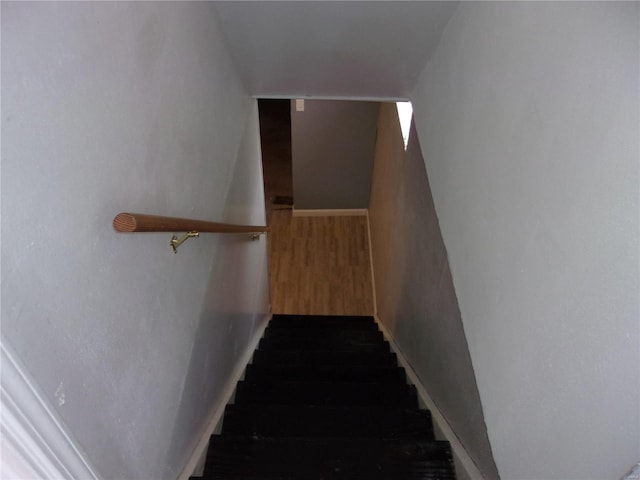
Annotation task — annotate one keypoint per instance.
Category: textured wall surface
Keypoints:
(110, 107)
(332, 146)
(415, 294)
(528, 120)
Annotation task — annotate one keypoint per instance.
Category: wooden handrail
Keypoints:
(139, 222)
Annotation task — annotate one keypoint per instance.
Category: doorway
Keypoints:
(318, 265)
(275, 140)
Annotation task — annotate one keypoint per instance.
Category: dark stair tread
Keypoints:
(364, 334)
(325, 393)
(314, 421)
(293, 328)
(323, 358)
(323, 324)
(390, 374)
(328, 344)
(327, 458)
(305, 320)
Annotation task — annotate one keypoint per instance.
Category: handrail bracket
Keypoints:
(176, 242)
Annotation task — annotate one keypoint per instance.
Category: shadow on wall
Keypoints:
(416, 297)
(226, 326)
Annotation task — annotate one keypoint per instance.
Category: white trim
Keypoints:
(461, 456)
(373, 277)
(35, 438)
(195, 460)
(331, 212)
(332, 97)
(633, 474)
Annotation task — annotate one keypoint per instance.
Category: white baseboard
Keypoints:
(372, 270)
(35, 442)
(465, 466)
(200, 452)
(331, 212)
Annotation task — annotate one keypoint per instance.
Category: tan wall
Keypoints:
(415, 294)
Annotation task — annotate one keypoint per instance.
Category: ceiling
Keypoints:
(332, 49)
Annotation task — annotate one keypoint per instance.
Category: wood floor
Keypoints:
(319, 265)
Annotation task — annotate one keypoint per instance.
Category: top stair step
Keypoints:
(306, 321)
(326, 331)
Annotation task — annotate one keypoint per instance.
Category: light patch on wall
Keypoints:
(405, 114)
(59, 394)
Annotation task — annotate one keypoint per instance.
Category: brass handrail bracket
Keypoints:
(176, 242)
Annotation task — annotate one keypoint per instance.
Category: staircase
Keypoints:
(325, 399)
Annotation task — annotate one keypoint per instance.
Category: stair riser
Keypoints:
(304, 320)
(329, 459)
(279, 421)
(326, 374)
(348, 394)
(299, 358)
(324, 344)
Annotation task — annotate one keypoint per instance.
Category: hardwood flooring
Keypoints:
(319, 265)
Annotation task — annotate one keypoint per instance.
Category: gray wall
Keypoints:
(414, 290)
(346, 49)
(528, 121)
(110, 107)
(332, 144)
